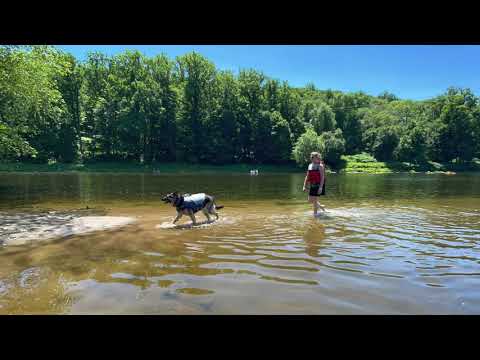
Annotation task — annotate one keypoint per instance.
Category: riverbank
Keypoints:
(157, 168)
(364, 163)
(350, 164)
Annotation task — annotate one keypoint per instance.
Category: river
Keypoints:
(388, 244)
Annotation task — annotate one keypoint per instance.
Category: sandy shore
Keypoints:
(46, 230)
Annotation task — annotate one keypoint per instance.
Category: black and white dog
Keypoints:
(187, 204)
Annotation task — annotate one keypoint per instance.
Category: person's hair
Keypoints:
(315, 154)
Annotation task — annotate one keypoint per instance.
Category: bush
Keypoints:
(323, 118)
(412, 147)
(308, 142)
(360, 158)
(12, 145)
(385, 143)
(332, 145)
(281, 139)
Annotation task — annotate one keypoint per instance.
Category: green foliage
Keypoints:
(457, 133)
(364, 163)
(281, 145)
(412, 146)
(385, 143)
(332, 145)
(322, 118)
(32, 103)
(130, 107)
(307, 143)
(197, 78)
(222, 131)
(348, 114)
(272, 138)
(12, 145)
(387, 96)
(251, 103)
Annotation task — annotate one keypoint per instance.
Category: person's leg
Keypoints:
(314, 202)
(315, 208)
(320, 206)
(321, 192)
(313, 198)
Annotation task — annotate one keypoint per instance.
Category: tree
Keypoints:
(322, 118)
(387, 96)
(385, 143)
(281, 139)
(332, 145)
(251, 103)
(164, 129)
(273, 138)
(457, 134)
(297, 127)
(307, 143)
(290, 103)
(92, 98)
(348, 109)
(126, 107)
(476, 130)
(197, 77)
(262, 137)
(69, 83)
(412, 146)
(272, 95)
(130, 106)
(32, 107)
(457, 126)
(13, 146)
(223, 130)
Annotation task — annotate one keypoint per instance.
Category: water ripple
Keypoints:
(369, 248)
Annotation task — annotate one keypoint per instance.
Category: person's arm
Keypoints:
(322, 180)
(305, 183)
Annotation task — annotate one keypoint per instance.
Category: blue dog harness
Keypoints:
(193, 202)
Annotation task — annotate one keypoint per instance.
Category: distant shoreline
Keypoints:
(349, 167)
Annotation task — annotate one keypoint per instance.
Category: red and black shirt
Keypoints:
(314, 174)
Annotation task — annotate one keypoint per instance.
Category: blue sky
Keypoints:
(410, 72)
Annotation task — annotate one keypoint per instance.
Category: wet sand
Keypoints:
(22, 229)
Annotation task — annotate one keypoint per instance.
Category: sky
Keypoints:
(414, 72)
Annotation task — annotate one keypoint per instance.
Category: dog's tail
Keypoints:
(218, 207)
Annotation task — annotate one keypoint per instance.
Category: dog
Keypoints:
(188, 204)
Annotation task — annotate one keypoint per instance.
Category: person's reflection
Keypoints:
(313, 237)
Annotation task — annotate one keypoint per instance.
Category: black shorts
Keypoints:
(314, 189)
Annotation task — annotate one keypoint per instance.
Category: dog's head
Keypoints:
(171, 198)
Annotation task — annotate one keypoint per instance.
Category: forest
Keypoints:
(129, 107)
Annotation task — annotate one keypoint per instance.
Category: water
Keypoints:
(389, 244)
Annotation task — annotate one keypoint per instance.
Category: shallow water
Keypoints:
(388, 244)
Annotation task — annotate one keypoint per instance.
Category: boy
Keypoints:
(316, 178)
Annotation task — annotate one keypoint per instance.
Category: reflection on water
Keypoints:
(388, 244)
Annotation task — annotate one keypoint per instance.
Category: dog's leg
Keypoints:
(192, 216)
(206, 213)
(210, 210)
(213, 210)
(179, 215)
